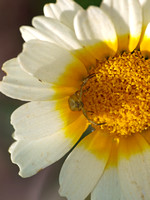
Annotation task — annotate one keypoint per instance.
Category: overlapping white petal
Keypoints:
(88, 30)
(51, 63)
(34, 155)
(30, 33)
(57, 32)
(51, 30)
(133, 167)
(93, 27)
(40, 119)
(83, 167)
(63, 10)
(21, 85)
(126, 15)
(108, 187)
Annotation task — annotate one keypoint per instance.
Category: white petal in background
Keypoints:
(63, 10)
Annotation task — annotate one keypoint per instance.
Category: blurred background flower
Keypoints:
(43, 186)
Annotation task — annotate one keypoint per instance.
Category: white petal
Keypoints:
(108, 187)
(145, 42)
(34, 155)
(51, 63)
(146, 14)
(63, 10)
(30, 33)
(93, 27)
(56, 32)
(127, 18)
(135, 23)
(84, 166)
(21, 85)
(39, 119)
(133, 167)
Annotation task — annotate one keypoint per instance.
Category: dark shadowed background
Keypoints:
(43, 186)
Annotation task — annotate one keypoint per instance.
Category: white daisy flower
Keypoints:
(81, 67)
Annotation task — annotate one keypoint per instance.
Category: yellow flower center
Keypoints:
(118, 93)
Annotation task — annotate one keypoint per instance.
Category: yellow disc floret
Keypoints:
(118, 93)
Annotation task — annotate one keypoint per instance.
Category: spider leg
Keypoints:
(94, 123)
(84, 82)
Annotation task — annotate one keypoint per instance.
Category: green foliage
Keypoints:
(86, 3)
